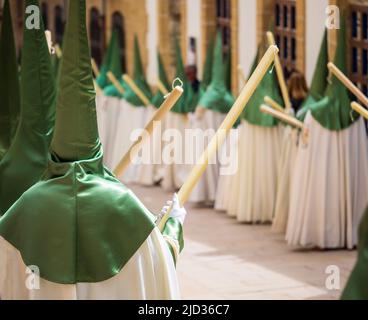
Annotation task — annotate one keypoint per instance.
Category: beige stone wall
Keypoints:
(208, 25)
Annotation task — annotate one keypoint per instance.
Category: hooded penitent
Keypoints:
(207, 70)
(139, 79)
(158, 99)
(80, 226)
(216, 101)
(254, 194)
(217, 96)
(102, 80)
(357, 286)
(115, 67)
(330, 180)
(27, 157)
(9, 84)
(319, 80)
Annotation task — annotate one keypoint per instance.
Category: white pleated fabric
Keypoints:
(150, 274)
(285, 171)
(329, 187)
(148, 170)
(226, 179)
(254, 197)
(130, 121)
(205, 128)
(174, 169)
(108, 114)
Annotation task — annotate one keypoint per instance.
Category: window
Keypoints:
(44, 11)
(59, 24)
(358, 46)
(223, 14)
(119, 26)
(96, 35)
(286, 33)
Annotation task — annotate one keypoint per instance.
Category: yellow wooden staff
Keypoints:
(282, 116)
(272, 103)
(224, 129)
(280, 74)
(162, 88)
(348, 83)
(130, 82)
(115, 82)
(361, 110)
(95, 69)
(166, 106)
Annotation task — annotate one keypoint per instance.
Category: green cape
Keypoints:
(267, 87)
(158, 99)
(319, 80)
(102, 79)
(228, 70)
(79, 224)
(333, 112)
(357, 286)
(138, 78)
(27, 158)
(217, 97)
(207, 70)
(9, 83)
(116, 68)
(188, 101)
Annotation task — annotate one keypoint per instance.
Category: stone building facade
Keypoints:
(297, 24)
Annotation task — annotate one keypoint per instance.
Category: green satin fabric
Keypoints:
(333, 112)
(267, 87)
(79, 223)
(174, 230)
(217, 97)
(207, 70)
(27, 158)
(138, 78)
(189, 100)
(319, 80)
(102, 79)
(158, 98)
(112, 91)
(9, 83)
(357, 286)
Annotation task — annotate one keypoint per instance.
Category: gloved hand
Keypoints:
(177, 212)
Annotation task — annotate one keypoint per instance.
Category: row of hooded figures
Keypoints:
(282, 154)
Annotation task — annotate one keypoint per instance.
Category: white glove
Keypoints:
(177, 212)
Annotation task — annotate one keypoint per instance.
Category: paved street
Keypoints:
(226, 260)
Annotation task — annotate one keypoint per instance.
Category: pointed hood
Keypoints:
(116, 68)
(158, 99)
(207, 70)
(102, 79)
(267, 87)
(96, 224)
(139, 79)
(27, 157)
(187, 100)
(9, 83)
(228, 70)
(319, 80)
(76, 135)
(333, 112)
(217, 97)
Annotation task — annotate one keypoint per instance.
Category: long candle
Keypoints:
(129, 81)
(115, 82)
(280, 74)
(272, 103)
(348, 83)
(361, 110)
(282, 116)
(224, 129)
(166, 106)
(95, 69)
